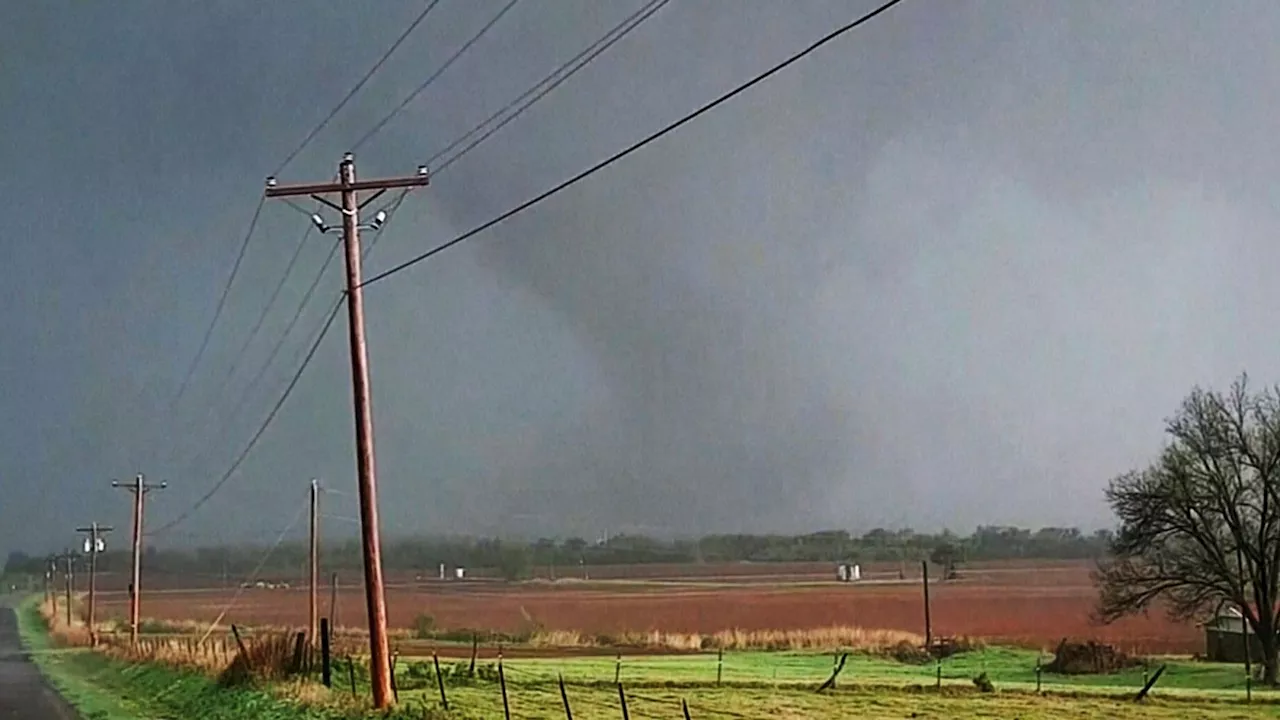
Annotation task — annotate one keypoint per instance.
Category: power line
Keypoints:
(257, 327)
(293, 322)
(439, 71)
(634, 146)
(261, 429)
(262, 562)
(248, 389)
(340, 518)
(266, 309)
(551, 82)
(332, 491)
(352, 92)
(222, 301)
(391, 206)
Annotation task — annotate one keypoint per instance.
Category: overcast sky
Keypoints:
(955, 268)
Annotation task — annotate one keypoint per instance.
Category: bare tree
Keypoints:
(1200, 527)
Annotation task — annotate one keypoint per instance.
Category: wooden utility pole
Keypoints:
(92, 546)
(315, 564)
(1244, 625)
(48, 584)
(53, 591)
(139, 487)
(350, 203)
(928, 621)
(333, 603)
(68, 575)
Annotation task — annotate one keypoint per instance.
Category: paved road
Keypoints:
(24, 695)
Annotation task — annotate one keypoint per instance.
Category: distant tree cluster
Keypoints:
(518, 559)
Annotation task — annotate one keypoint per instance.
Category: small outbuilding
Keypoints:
(1224, 638)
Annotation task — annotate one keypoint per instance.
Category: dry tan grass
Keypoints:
(561, 638)
(211, 657)
(268, 661)
(845, 637)
(62, 634)
(199, 628)
(266, 656)
(840, 637)
(829, 638)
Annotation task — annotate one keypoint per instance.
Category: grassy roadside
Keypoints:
(104, 689)
(63, 669)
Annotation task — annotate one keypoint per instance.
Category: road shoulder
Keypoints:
(25, 693)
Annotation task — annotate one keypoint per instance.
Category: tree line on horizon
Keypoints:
(517, 559)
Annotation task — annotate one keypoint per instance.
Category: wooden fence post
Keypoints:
(395, 691)
(831, 681)
(444, 700)
(240, 644)
(326, 675)
(502, 681)
(564, 696)
(299, 643)
(1146, 688)
(622, 698)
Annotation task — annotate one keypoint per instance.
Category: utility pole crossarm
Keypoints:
(284, 191)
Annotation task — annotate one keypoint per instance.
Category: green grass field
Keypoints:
(542, 702)
(755, 686)
(1007, 668)
(781, 685)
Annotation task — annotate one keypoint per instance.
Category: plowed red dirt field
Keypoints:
(1032, 605)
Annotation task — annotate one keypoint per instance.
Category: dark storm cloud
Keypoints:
(953, 269)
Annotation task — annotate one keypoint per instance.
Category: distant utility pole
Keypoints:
(314, 574)
(93, 545)
(350, 204)
(48, 581)
(139, 487)
(928, 620)
(68, 573)
(333, 602)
